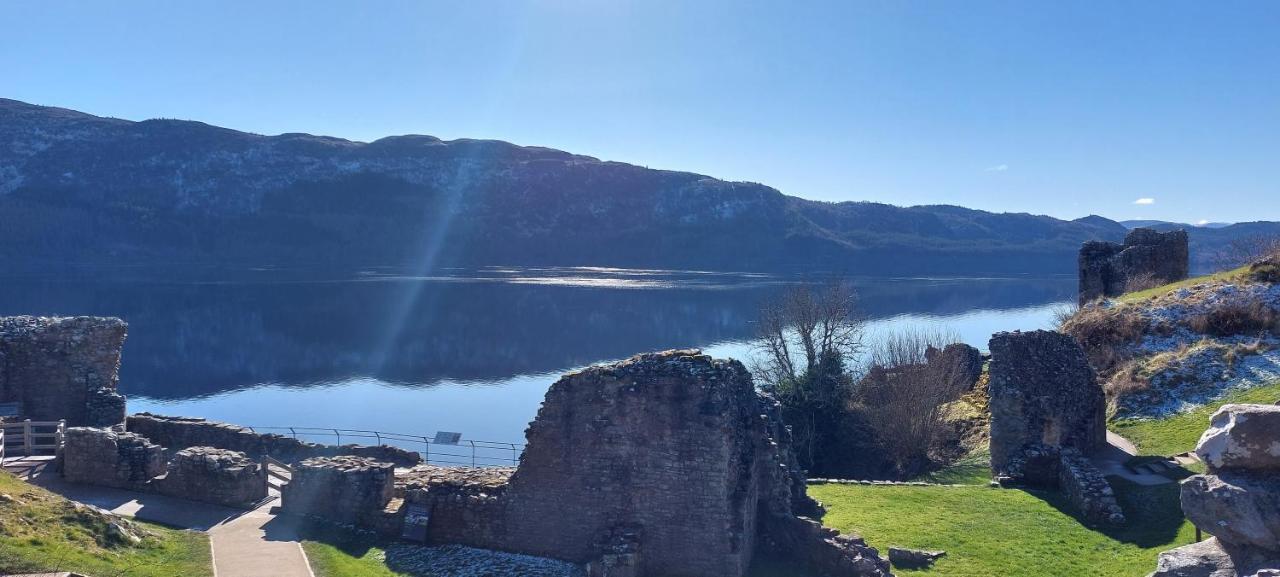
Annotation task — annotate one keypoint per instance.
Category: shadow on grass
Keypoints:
(355, 544)
(1153, 513)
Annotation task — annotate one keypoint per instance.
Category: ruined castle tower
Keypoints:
(1110, 269)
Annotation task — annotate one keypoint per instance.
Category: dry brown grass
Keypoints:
(1142, 282)
(1105, 334)
(1236, 318)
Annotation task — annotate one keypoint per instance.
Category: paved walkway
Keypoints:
(1111, 459)
(253, 543)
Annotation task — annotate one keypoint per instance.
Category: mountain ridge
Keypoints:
(82, 187)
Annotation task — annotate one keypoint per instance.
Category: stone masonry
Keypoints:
(110, 459)
(344, 490)
(94, 456)
(183, 432)
(1237, 501)
(1108, 269)
(1048, 412)
(664, 464)
(216, 476)
(63, 368)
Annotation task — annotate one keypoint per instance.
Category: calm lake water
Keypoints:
(465, 351)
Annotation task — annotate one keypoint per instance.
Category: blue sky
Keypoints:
(1065, 109)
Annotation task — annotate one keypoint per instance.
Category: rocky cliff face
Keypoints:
(81, 187)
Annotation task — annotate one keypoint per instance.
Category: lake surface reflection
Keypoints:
(467, 351)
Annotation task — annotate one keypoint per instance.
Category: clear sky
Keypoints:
(1065, 108)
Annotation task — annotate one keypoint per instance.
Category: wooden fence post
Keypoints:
(26, 437)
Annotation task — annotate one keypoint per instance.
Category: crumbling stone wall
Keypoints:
(63, 368)
(666, 464)
(1237, 501)
(99, 456)
(959, 361)
(1042, 392)
(183, 432)
(110, 459)
(344, 490)
(1107, 269)
(214, 476)
(1048, 413)
(1087, 489)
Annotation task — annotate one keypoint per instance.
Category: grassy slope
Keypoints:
(1180, 432)
(1227, 275)
(40, 531)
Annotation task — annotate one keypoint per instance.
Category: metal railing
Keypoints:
(463, 453)
(31, 438)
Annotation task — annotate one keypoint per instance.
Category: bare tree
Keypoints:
(905, 393)
(806, 339)
(1242, 251)
(804, 327)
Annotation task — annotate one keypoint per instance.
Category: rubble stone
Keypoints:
(913, 558)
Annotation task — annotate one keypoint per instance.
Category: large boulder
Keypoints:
(1238, 508)
(1242, 437)
(1213, 558)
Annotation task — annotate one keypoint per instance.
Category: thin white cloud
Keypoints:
(1145, 201)
(996, 168)
(1202, 222)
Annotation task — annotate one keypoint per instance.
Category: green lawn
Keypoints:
(1179, 433)
(41, 532)
(329, 560)
(974, 469)
(1009, 532)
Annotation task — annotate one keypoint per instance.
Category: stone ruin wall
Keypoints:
(343, 490)
(1237, 501)
(1048, 413)
(63, 368)
(217, 476)
(108, 458)
(664, 464)
(183, 432)
(1106, 268)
